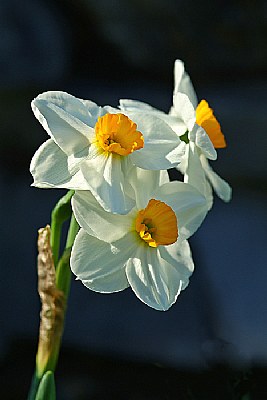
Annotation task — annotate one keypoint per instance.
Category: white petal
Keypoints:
(99, 265)
(175, 122)
(144, 182)
(135, 105)
(94, 110)
(154, 281)
(182, 82)
(176, 155)
(127, 106)
(220, 186)
(184, 110)
(83, 110)
(160, 142)
(189, 205)
(164, 177)
(194, 173)
(199, 136)
(98, 222)
(183, 163)
(177, 125)
(106, 175)
(111, 110)
(179, 195)
(49, 168)
(180, 257)
(66, 120)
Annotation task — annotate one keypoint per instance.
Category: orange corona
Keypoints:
(157, 224)
(206, 119)
(116, 133)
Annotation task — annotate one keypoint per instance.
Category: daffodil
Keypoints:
(203, 135)
(147, 248)
(199, 129)
(93, 149)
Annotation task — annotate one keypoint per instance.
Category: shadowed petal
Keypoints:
(179, 256)
(194, 173)
(220, 186)
(199, 136)
(98, 222)
(49, 168)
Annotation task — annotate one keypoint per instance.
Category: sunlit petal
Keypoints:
(107, 178)
(65, 119)
(182, 82)
(184, 110)
(160, 142)
(99, 265)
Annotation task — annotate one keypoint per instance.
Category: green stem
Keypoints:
(55, 239)
(63, 273)
(73, 230)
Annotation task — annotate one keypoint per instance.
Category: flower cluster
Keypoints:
(134, 222)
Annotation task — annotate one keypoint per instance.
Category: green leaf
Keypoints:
(47, 387)
(62, 210)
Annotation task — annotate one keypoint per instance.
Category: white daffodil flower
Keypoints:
(145, 249)
(92, 149)
(200, 131)
(203, 132)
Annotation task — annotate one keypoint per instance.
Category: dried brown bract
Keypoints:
(53, 304)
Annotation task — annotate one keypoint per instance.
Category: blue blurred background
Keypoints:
(105, 50)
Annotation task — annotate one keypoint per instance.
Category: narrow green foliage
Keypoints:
(61, 212)
(47, 387)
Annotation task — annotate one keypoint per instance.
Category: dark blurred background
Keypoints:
(114, 346)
